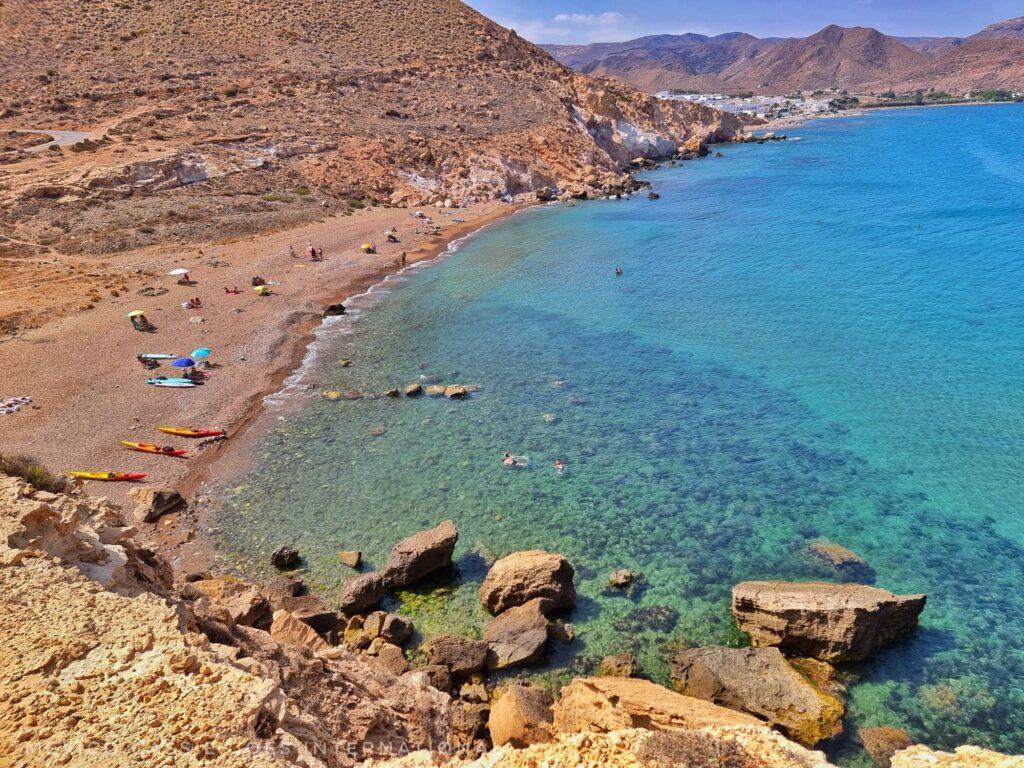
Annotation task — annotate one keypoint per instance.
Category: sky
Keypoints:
(589, 21)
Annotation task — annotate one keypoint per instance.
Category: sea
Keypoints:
(818, 339)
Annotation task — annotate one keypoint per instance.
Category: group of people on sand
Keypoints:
(312, 252)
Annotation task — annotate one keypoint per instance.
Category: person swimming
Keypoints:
(559, 466)
(618, 271)
(507, 460)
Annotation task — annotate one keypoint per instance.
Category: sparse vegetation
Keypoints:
(31, 471)
(277, 197)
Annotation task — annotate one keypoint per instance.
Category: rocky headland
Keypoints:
(109, 654)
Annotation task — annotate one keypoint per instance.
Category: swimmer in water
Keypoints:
(618, 271)
(559, 466)
(507, 459)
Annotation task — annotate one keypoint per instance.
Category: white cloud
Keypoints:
(605, 27)
(609, 26)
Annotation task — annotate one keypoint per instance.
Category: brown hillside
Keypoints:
(834, 57)
(232, 104)
(976, 65)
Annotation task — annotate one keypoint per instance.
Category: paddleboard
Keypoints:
(174, 383)
(156, 356)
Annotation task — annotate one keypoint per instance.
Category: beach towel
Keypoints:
(13, 404)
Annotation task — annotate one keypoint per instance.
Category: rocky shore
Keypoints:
(107, 652)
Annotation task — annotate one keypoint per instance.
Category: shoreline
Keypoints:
(796, 121)
(89, 392)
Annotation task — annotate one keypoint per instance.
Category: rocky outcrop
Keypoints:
(525, 576)
(964, 757)
(602, 704)
(103, 662)
(154, 503)
(517, 636)
(289, 630)
(830, 622)
(760, 682)
(421, 554)
(233, 602)
(460, 655)
(520, 716)
(361, 592)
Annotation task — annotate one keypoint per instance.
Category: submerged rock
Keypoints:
(421, 554)
(882, 742)
(844, 561)
(620, 578)
(523, 576)
(760, 682)
(830, 622)
(517, 636)
(414, 389)
(618, 665)
(455, 391)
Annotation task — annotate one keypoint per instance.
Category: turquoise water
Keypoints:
(822, 338)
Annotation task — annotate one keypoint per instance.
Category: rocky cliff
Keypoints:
(107, 660)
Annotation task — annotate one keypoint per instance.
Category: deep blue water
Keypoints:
(817, 339)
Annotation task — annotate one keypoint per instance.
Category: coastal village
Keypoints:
(183, 204)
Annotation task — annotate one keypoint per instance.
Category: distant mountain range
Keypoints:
(854, 58)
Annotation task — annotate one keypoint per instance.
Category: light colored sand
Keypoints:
(90, 391)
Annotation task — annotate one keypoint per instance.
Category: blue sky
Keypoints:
(588, 21)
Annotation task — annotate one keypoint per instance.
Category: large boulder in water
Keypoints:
(831, 622)
(760, 682)
(525, 576)
(516, 637)
(421, 554)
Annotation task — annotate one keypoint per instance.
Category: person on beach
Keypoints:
(291, 252)
(232, 291)
(310, 250)
(403, 258)
(141, 323)
(319, 255)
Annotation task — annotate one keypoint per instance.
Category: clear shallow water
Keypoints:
(822, 338)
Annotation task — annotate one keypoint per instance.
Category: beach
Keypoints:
(88, 389)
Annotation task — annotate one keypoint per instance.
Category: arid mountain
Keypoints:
(672, 61)
(982, 64)
(836, 57)
(1010, 29)
(211, 114)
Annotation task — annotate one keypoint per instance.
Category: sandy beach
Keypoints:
(89, 391)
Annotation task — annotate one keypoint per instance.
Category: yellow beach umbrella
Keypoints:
(136, 313)
(262, 289)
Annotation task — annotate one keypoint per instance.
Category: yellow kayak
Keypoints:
(186, 432)
(108, 476)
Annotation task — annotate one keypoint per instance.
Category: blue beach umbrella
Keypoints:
(184, 362)
(199, 354)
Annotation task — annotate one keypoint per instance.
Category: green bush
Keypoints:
(31, 471)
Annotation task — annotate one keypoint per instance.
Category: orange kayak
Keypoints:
(108, 476)
(186, 432)
(163, 450)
